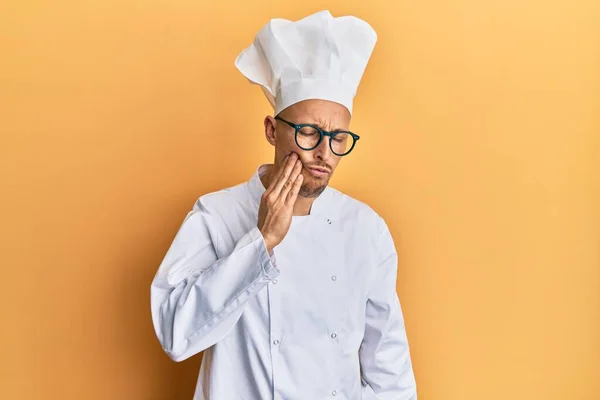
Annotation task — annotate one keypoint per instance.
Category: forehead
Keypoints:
(319, 112)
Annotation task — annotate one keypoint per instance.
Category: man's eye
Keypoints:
(308, 131)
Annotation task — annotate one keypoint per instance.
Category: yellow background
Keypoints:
(480, 125)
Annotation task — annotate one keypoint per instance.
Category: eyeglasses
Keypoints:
(308, 137)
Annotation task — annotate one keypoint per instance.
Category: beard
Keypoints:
(313, 189)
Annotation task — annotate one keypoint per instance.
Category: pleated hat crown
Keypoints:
(317, 57)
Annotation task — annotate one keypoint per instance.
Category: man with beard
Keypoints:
(286, 284)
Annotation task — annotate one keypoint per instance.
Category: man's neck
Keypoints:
(302, 205)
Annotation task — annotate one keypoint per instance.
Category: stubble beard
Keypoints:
(309, 190)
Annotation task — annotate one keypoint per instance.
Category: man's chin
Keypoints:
(313, 190)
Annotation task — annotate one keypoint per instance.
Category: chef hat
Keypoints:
(317, 57)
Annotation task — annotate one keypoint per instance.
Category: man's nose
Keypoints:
(323, 150)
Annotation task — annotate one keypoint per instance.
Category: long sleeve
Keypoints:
(384, 354)
(197, 297)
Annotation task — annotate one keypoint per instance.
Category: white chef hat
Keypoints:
(317, 57)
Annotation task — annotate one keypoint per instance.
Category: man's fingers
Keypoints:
(283, 178)
(275, 179)
(287, 186)
(293, 193)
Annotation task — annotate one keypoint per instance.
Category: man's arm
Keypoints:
(384, 354)
(196, 298)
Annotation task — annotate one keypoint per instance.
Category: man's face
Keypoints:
(318, 164)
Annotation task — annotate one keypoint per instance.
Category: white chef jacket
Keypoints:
(319, 318)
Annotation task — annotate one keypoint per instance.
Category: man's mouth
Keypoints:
(318, 171)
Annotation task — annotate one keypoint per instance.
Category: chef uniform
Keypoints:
(319, 317)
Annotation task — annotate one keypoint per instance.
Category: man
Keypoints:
(287, 285)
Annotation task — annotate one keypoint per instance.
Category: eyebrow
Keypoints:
(320, 125)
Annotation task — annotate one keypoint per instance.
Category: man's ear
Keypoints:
(270, 130)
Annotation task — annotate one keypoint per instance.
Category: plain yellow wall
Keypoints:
(480, 125)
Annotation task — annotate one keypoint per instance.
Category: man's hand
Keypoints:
(277, 203)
